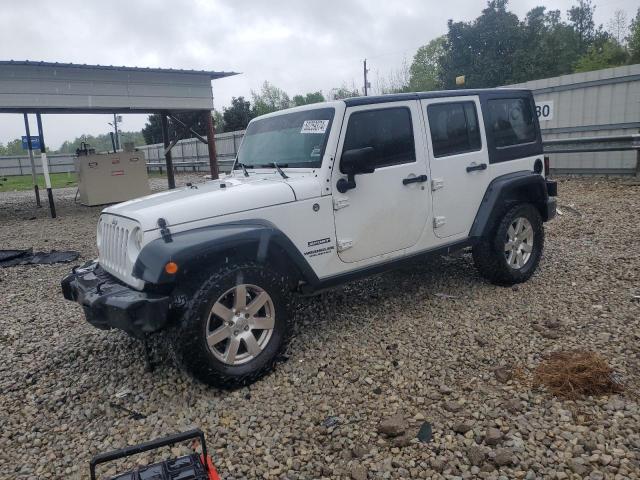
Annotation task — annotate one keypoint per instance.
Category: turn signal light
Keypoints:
(171, 268)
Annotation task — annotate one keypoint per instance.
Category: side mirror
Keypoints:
(355, 162)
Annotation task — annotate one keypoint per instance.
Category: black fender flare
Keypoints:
(203, 247)
(507, 190)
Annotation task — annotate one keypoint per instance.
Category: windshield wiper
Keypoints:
(275, 165)
(244, 168)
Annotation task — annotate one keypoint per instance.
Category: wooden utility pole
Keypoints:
(167, 151)
(366, 83)
(211, 143)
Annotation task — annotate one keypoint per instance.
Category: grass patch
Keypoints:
(24, 182)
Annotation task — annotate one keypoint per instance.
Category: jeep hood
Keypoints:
(204, 200)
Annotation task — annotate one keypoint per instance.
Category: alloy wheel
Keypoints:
(519, 243)
(240, 324)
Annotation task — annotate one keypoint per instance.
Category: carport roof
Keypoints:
(51, 87)
(212, 74)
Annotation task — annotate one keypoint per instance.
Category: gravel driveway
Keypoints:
(422, 343)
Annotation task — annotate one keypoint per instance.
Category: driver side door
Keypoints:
(387, 210)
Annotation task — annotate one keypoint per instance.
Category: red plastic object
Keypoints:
(211, 468)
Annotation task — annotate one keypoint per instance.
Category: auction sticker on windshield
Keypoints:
(314, 126)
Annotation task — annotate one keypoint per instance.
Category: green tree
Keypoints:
(152, 131)
(581, 18)
(238, 115)
(312, 97)
(218, 121)
(343, 92)
(605, 55)
(424, 73)
(270, 99)
(482, 50)
(549, 46)
(102, 142)
(633, 40)
(13, 147)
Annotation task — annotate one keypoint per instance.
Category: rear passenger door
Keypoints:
(459, 162)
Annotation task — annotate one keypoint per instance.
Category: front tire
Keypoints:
(511, 252)
(235, 326)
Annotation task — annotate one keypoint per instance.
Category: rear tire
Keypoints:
(235, 326)
(511, 252)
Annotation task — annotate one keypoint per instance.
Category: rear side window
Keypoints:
(512, 121)
(454, 128)
(389, 131)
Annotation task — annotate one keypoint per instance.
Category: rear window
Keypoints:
(454, 128)
(511, 121)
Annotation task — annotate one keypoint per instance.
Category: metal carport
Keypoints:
(45, 87)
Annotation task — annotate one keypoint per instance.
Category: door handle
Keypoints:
(418, 179)
(473, 167)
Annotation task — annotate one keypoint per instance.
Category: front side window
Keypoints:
(512, 121)
(291, 139)
(389, 131)
(454, 128)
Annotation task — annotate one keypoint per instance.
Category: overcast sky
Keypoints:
(296, 45)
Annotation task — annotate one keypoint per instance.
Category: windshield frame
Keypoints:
(302, 165)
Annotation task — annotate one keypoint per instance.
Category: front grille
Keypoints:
(113, 248)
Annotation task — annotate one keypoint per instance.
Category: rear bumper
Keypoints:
(550, 207)
(107, 303)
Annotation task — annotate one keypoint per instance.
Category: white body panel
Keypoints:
(382, 218)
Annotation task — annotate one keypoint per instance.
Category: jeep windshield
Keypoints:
(293, 140)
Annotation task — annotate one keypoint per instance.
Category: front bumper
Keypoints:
(107, 303)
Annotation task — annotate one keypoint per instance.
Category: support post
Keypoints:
(34, 177)
(115, 127)
(366, 82)
(45, 167)
(211, 141)
(167, 152)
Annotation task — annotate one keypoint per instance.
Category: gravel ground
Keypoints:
(419, 344)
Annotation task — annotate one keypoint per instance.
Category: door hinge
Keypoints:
(339, 203)
(437, 184)
(439, 221)
(344, 245)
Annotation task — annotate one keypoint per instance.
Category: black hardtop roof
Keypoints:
(399, 97)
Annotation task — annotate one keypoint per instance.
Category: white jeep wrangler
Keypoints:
(320, 195)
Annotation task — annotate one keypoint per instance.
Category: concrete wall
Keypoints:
(599, 103)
